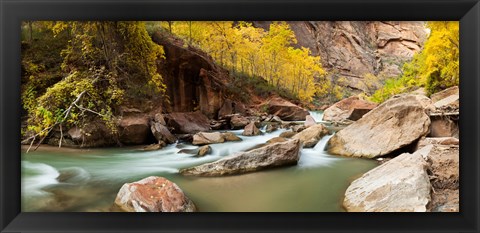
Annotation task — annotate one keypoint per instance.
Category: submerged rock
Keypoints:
(310, 136)
(399, 185)
(153, 194)
(274, 155)
(204, 150)
(396, 123)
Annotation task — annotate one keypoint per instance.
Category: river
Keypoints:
(88, 180)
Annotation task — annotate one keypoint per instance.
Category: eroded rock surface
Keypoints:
(153, 194)
(396, 123)
(273, 155)
(400, 185)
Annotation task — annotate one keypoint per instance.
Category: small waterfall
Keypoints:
(322, 143)
(317, 115)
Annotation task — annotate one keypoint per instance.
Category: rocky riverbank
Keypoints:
(419, 171)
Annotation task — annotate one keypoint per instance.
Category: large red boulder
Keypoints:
(153, 194)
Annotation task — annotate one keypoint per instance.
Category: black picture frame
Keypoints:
(14, 11)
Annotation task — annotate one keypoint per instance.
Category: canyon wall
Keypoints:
(352, 49)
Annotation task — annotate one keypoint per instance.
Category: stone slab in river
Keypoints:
(399, 185)
(208, 138)
(396, 123)
(153, 194)
(273, 155)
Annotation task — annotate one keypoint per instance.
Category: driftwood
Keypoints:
(59, 122)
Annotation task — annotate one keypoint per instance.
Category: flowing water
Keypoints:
(88, 180)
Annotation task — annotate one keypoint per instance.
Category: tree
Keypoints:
(240, 47)
(104, 63)
(436, 67)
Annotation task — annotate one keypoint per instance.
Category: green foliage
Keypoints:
(109, 62)
(436, 67)
(242, 48)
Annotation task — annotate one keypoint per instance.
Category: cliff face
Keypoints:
(352, 49)
(193, 81)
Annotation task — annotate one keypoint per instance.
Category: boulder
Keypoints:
(443, 165)
(286, 110)
(298, 128)
(396, 123)
(276, 139)
(310, 136)
(449, 93)
(309, 121)
(92, 134)
(219, 125)
(287, 134)
(134, 130)
(445, 200)
(188, 122)
(157, 146)
(188, 138)
(161, 133)
(238, 122)
(443, 127)
(444, 172)
(271, 127)
(352, 108)
(153, 194)
(207, 138)
(274, 155)
(272, 118)
(399, 185)
(188, 151)
(251, 130)
(231, 137)
(437, 141)
(204, 150)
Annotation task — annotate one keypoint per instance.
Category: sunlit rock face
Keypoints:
(352, 49)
